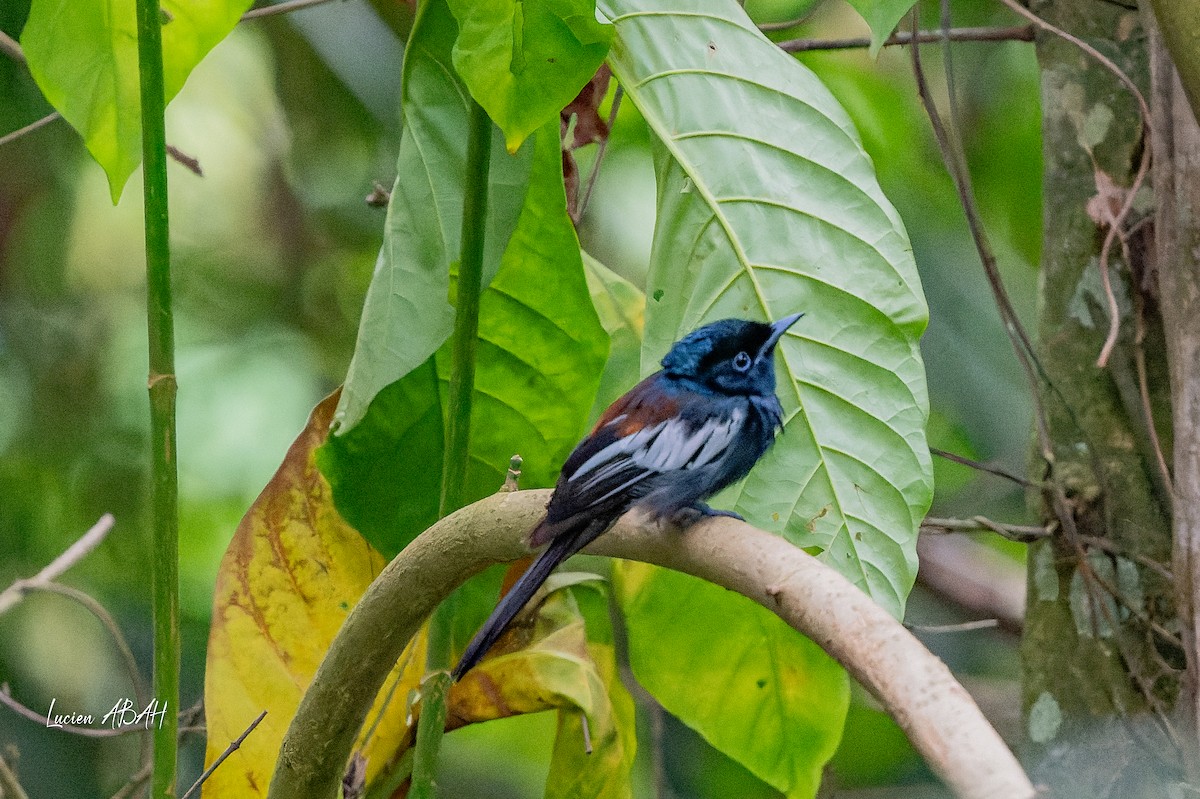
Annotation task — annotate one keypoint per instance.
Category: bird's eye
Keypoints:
(741, 362)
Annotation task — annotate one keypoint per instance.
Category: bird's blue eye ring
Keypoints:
(741, 362)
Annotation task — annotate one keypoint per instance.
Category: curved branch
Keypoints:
(917, 689)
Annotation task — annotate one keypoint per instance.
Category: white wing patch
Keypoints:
(663, 447)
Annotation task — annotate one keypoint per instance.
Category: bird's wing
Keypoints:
(629, 449)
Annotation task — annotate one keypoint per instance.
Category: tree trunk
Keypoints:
(1177, 263)
(1101, 650)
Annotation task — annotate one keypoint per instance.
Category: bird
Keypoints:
(679, 436)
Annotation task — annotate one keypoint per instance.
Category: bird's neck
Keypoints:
(684, 383)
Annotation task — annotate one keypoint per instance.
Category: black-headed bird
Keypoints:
(675, 439)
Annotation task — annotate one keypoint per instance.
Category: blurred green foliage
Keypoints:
(292, 121)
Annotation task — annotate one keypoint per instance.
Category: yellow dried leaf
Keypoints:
(287, 582)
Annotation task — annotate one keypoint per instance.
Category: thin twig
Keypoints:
(963, 627)
(1139, 362)
(135, 783)
(229, 750)
(977, 524)
(281, 8)
(768, 27)
(30, 128)
(10, 786)
(512, 479)
(57, 567)
(11, 48)
(658, 735)
(6, 699)
(601, 149)
(983, 467)
(188, 162)
(587, 733)
(105, 618)
(1021, 342)
(1021, 33)
(1139, 178)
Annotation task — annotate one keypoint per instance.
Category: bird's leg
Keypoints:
(705, 510)
(690, 514)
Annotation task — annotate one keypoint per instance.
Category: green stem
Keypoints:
(160, 326)
(458, 437)
(431, 725)
(466, 318)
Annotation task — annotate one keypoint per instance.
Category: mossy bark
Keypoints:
(1100, 650)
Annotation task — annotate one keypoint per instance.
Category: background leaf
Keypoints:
(289, 578)
(541, 351)
(407, 314)
(768, 205)
(736, 673)
(882, 16)
(550, 660)
(83, 55)
(524, 60)
(621, 307)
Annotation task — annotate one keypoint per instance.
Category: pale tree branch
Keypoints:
(914, 686)
(57, 567)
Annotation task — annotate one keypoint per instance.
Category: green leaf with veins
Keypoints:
(407, 314)
(540, 355)
(768, 205)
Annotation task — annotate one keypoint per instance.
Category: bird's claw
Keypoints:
(706, 510)
(693, 513)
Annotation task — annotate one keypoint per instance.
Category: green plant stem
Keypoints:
(431, 727)
(161, 333)
(466, 316)
(458, 438)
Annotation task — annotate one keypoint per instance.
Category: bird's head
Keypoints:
(732, 356)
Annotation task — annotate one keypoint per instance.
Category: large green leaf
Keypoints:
(768, 205)
(735, 672)
(539, 358)
(882, 16)
(83, 55)
(524, 60)
(407, 314)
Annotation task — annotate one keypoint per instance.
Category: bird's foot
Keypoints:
(686, 517)
(705, 510)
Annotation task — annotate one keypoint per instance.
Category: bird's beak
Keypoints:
(777, 331)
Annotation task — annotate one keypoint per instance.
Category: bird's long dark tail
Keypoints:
(561, 548)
